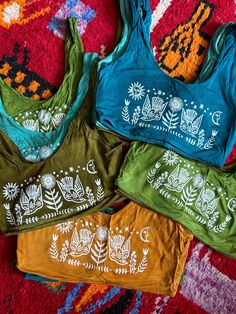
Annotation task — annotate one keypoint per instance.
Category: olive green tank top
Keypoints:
(78, 179)
(46, 115)
(200, 197)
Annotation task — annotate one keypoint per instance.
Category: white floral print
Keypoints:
(48, 181)
(102, 233)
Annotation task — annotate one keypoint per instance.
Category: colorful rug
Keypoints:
(32, 61)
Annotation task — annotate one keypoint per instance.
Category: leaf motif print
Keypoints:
(99, 252)
(90, 196)
(170, 120)
(53, 200)
(125, 111)
(53, 248)
(189, 195)
(144, 262)
(221, 227)
(9, 215)
(136, 114)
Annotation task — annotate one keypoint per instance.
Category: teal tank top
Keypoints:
(136, 99)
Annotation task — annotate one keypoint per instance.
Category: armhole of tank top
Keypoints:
(122, 36)
(222, 58)
(213, 51)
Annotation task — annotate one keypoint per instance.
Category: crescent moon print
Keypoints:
(216, 117)
(144, 234)
(232, 204)
(91, 167)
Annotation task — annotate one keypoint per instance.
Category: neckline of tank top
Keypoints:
(216, 45)
(46, 103)
(89, 59)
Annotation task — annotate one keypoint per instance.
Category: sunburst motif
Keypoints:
(136, 91)
(170, 158)
(65, 227)
(10, 191)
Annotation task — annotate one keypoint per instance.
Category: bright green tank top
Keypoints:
(200, 197)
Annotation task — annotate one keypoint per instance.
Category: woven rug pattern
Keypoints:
(32, 61)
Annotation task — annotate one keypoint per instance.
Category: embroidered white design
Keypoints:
(45, 152)
(178, 179)
(65, 227)
(102, 233)
(50, 193)
(207, 202)
(153, 111)
(58, 119)
(44, 117)
(136, 91)
(144, 233)
(211, 142)
(71, 191)
(232, 204)
(90, 167)
(165, 113)
(11, 191)
(216, 117)
(189, 122)
(171, 119)
(119, 249)
(170, 158)
(81, 244)
(188, 182)
(31, 125)
(31, 200)
(48, 181)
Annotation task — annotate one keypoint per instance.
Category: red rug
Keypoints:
(32, 35)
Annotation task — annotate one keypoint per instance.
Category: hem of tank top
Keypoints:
(47, 102)
(130, 196)
(167, 145)
(114, 197)
(167, 292)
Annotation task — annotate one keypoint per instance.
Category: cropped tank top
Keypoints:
(46, 115)
(78, 179)
(200, 197)
(134, 248)
(136, 99)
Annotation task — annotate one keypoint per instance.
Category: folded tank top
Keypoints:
(200, 197)
(46, 115)
(134, 248)
(37, 146)
(136, 99)
(78, 179)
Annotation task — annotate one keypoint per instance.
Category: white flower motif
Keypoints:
(32, 158)
(71, 169)
(98, 182)
(10, 191)
(136, 91)
(45, 152)
(54, 237)
(48, 181)
(170, 158)
(102, 233)
(65, 227)
(145, 252)
(199, 181)
(176, 104)
(44, 117)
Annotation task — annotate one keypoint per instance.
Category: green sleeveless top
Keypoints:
(78, 179)
(46, 115)
(200, 197)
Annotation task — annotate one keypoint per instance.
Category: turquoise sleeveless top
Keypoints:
(37, 146)
(136, 99)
